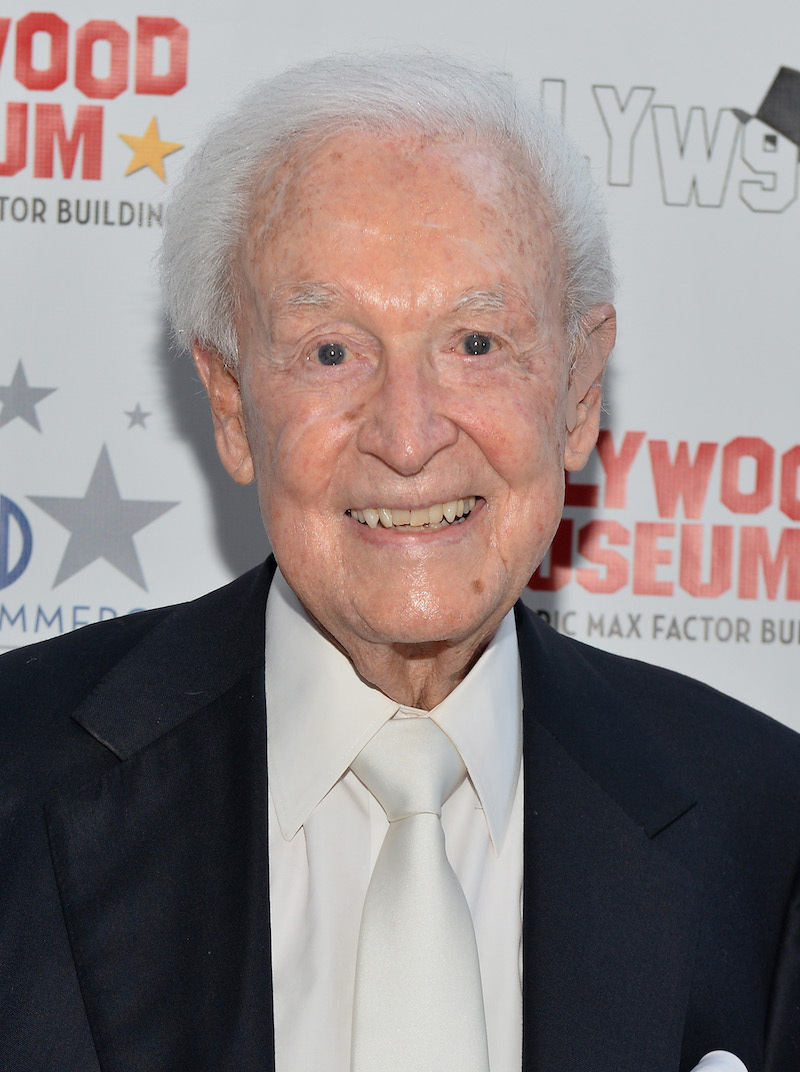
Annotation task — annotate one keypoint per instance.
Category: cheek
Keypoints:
(296, 443)
(522, 436)
(523, 442)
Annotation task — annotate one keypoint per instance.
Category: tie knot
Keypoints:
(410, 766)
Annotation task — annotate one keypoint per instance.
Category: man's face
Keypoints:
(402, 359)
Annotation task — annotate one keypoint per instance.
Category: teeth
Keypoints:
(417, 519)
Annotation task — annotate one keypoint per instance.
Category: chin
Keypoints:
(428, 621)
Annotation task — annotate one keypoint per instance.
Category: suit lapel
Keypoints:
(609, 911)
(162, 863)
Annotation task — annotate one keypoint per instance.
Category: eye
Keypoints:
(476, 344)
(331, 353)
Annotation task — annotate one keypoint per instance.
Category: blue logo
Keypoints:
(12, 518)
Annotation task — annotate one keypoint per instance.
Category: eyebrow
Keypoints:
(480, 300)
(492, 299)
(307, 293)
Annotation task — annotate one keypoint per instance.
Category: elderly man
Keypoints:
(394, 279)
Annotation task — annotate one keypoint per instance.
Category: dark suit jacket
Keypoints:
(662, 829)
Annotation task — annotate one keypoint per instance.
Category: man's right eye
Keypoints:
(331, 353)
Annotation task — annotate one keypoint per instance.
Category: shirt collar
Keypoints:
(321, 714)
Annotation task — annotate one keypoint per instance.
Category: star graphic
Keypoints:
(137, 416)
(19, 400)
(149, 150)
(101, 524)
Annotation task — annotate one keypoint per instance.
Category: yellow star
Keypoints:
(149, 150)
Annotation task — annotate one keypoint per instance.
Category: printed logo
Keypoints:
(695, 150)
(101, 524)
(45, 50)
(770, 140)
(17, 399)
(646, 557)
(16, 542)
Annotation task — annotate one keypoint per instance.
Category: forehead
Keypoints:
(422, 212)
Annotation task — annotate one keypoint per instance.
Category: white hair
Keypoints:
(208, 218)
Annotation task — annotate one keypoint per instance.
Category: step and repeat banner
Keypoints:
(681, 540)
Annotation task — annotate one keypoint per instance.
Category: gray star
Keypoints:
(19, 400)
(101, 524)
(137, 416)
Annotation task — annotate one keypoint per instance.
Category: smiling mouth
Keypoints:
(424, 519)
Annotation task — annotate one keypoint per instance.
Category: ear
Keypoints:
(222, 387)
(585, 396)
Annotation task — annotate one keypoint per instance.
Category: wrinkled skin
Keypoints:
(402, 345)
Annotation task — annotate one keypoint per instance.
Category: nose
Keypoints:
(406, 420)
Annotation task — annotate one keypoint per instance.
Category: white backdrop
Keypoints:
(683, 543)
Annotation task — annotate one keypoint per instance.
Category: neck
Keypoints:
(415, 675)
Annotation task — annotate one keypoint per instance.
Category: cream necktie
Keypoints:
(418, 1004)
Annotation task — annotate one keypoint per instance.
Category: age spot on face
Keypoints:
(478, 586)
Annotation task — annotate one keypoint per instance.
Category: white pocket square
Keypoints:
(720, 1061)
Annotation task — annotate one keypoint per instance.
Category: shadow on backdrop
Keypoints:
(238, 530)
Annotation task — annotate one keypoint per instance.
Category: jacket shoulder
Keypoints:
(41, 685)
(706, 735)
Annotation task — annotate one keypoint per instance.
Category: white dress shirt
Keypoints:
(325, 831)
